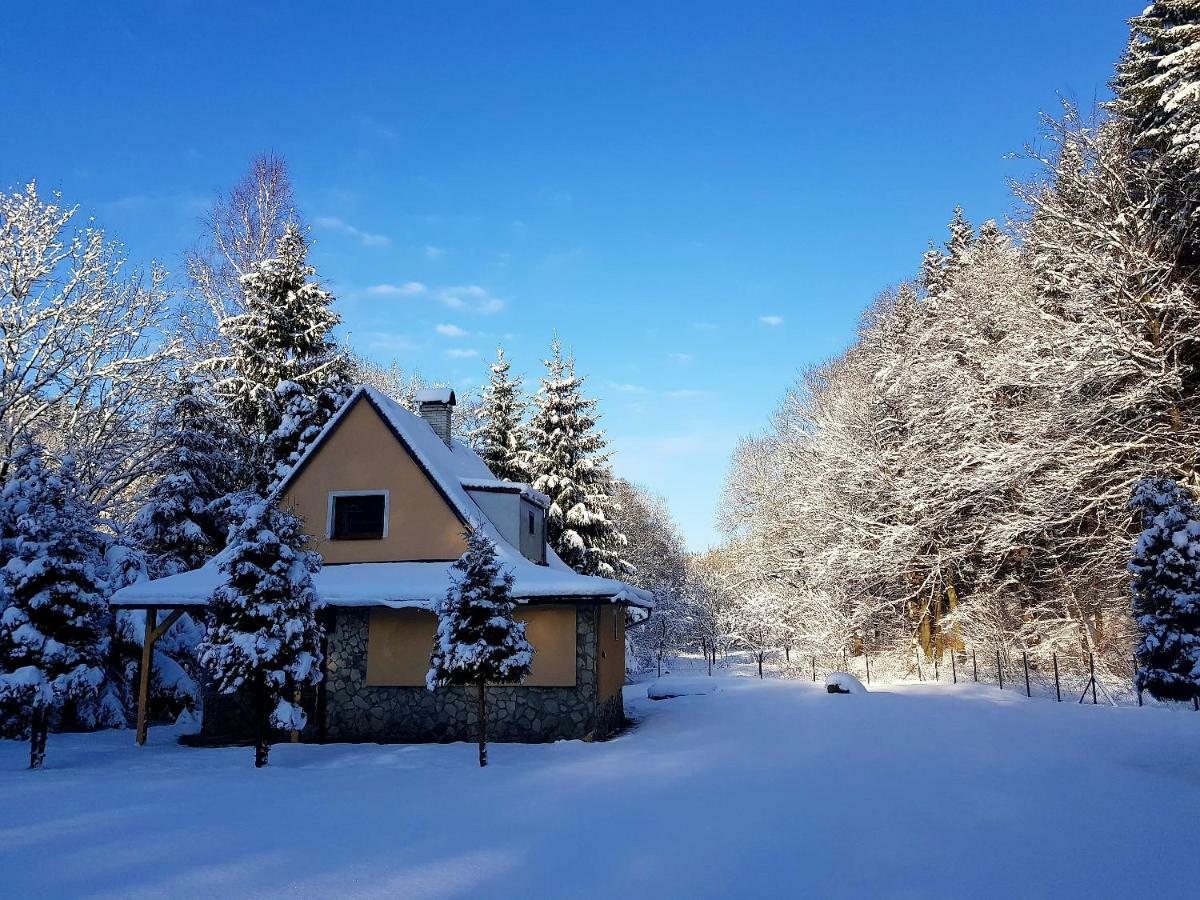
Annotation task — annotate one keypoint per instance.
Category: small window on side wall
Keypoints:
(358, 517)
(531, 530)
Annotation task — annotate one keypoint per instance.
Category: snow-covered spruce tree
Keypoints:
(1166, 589)
(283, 335)
(478, 641)
(177, 527)
(53, 594)
(567, 462)
(501, 437)
(263, 639)
(1157, 88)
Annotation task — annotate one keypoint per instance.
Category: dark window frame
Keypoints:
(347, 524)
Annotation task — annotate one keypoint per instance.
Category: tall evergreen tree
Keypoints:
(178, 525)
(501, 438)
(1166, 589)
(569, 464)
(283, 335)
(53, 594)
(1157, 88)
(478, 641)
(263, 639)
(1157, 84)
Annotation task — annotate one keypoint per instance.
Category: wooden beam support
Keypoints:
(153, 632)
(144, 680)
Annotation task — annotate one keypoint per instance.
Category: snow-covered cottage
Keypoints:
(386, 495)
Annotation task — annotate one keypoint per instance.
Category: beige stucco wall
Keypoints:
(611, 661)
(362, 454)
(399, 642)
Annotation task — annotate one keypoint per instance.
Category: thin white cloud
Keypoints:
(388, 342)
(433, 254)
(628, 388)
(682, 358)
(450, 331)
(366, 238)
(771, 321)
(470, 297)
(461, 353)
(408, 289)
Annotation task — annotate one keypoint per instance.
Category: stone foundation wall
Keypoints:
(354, 711)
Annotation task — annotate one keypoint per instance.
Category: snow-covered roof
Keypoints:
(450, 468)
(436, 395)
(507, 487)
(395, 584)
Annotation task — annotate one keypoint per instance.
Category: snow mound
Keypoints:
(843, 683)
(666, 688)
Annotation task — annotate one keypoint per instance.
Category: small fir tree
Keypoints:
(177, 526)
(284, 335)
(263, 638)
(53, 593)
(478, 640)
(569, 464)
(501, 439)
(1166, 590)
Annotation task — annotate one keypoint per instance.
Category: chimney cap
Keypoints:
(437, 395)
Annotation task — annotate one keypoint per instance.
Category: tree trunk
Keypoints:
(708, 658)
(261, 746)
(482, 726)
(37, 737)
(760, 662)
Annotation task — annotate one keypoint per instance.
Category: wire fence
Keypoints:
(1060, 679)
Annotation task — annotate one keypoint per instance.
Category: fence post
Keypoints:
(974, 666)
(999, 670)
(1057, 692)
(1092, 671)
(867, 658)
(953, 667)
(1138, 689)
(1025, 657)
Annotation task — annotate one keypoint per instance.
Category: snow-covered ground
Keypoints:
(762, 788)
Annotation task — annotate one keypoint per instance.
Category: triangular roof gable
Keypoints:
(364, 394)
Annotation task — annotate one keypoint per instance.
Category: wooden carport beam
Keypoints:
(153, 633)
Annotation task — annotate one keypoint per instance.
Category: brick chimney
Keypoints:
(437, 408)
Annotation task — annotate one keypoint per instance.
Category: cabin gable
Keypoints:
(362, 456)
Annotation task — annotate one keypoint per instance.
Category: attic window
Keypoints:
(358, 516)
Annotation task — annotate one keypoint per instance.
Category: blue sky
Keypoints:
(701, 198)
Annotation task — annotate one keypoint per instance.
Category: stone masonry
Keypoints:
(356, 712)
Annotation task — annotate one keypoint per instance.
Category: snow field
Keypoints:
(763, 788)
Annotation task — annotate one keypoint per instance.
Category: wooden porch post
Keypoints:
(144, 679)
(153, 632)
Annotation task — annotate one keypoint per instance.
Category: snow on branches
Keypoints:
(53, 594)
(569, 464)
(263, 639)
(478, 641)
(1166, 589)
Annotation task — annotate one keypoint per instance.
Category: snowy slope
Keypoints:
(768, 788)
